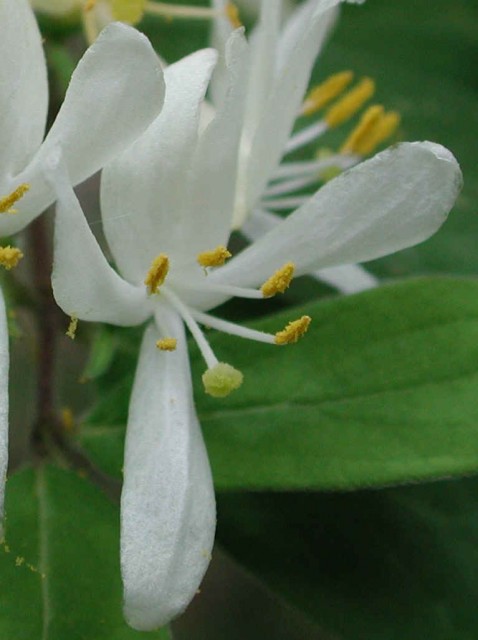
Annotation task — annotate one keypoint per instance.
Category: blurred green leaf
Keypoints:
(381, 390)
(392, 564)
(102, 352)
(60, 562)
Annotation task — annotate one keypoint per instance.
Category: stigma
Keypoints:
(221, 379)
(157, 273)
(7, 202)
(10, 257)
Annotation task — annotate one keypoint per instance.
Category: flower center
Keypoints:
(220, 378)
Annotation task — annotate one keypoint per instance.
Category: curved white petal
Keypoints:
(143, 192)
(221, 31)
(23, 86)
(4, 365)
(283, 101)
(211, 187)
(167, 504)
(115, 92)
(395, 200)
(350, 278)
(84, 284)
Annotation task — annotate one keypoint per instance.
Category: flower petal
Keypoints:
(167, 505)
(4, 365)
(395, 200)
(280, 111)
(143, 193)
(84, 284)
(350, 278)
(114, 94)
(23, 86)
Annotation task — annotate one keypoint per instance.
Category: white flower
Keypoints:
(280, 63)
(115, 92)
(167, 206)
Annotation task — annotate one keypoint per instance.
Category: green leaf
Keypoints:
(60, 561)
(381, 390)
(392, 564)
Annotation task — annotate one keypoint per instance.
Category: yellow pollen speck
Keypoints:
(167, 344)
(294, 331)
(215, 258)
(10, 257)
(89, 5)
(351, 102)
(279, 281)
(67, 420)
(72, 327)
(221, 379)
(157, 273)
(232, 14)
(318, 97)
(129, 11)
(7, 202)
(363, 131)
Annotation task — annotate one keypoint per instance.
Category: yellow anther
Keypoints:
(215, 258)
(10, 257)
(221, 379)
(89, 5)
(318, 97)
(294, 331)
(129, 11)
(385, 127)
(279, 281)
(363, 131)
(167, 344)
(232, 14)
(157, 273)
(67, 420)
(351, 102)
(72, 327)
(7, 202)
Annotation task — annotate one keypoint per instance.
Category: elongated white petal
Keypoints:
(23, 86)
(221, 31)
(167, 505)
(280, 110)
(4, 366)
(114, 94)
(213, 172)
(84, 284)
(143, 194)
(350, 278)
(395, 200)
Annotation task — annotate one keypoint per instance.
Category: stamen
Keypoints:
(167, 344)
(232, 14)
(294, 331)
(179, 11)
(10, 257)
(347, 106)
(72, 327)
(362, 132)
(279, 281)
(219, 381)
(320, 96)
(385, 127)
(129, 11)
(157, 273)
(215, 258)
(7, 202)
